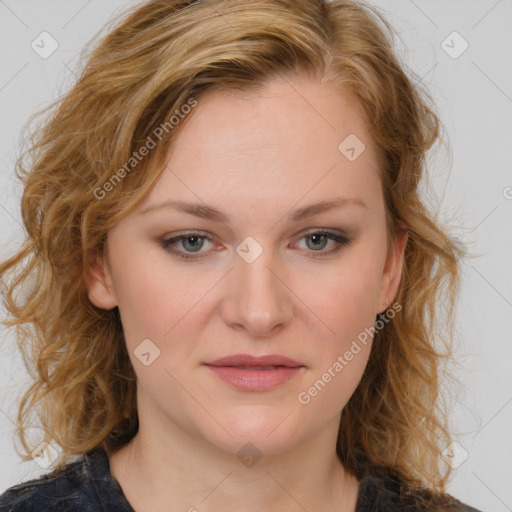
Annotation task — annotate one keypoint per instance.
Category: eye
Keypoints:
(317, 241)
(192, 243)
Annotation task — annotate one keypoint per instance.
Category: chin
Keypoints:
(268, 430)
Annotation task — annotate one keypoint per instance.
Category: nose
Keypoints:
(258, 299)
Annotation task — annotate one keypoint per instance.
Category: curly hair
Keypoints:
(161, 56)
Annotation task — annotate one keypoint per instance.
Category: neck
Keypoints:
(179, 471)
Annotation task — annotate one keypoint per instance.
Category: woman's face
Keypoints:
(267, 274)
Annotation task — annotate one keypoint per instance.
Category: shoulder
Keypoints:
(43, 493)
(81, 486)
(383, 494)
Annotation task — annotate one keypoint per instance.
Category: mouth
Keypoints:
(249, 373)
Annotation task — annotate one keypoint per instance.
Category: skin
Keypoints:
(257, 157)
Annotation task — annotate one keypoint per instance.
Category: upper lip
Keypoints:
(241, 360)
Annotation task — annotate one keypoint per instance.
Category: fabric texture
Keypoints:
(87, 485)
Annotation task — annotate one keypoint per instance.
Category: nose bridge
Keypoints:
(260, 301)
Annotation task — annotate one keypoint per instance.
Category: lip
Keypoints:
(250, 373)
(252, 361)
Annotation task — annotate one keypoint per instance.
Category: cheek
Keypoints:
(345, 300)
(330, 388)
(166, 306)
(345, 297)
(346, 304)
(153, 293)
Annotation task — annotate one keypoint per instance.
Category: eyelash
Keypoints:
(339, 239)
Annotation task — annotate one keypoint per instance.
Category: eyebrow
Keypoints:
(208, 212)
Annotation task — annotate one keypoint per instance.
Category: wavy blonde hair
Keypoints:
(161, 54)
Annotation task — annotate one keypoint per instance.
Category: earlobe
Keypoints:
(393, 271)
(99, 283)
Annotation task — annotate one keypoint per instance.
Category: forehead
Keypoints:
(284, 112)
(282, 142)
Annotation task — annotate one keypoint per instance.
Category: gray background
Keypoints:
(472, 188)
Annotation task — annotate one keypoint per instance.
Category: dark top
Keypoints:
(87, 485)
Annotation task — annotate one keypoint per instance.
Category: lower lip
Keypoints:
(255, 380)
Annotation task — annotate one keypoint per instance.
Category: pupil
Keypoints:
(194, 239)
(317, 238)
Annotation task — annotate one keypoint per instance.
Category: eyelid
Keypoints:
(338, 236)
(166, 243)
(210, 237)
(328, 231)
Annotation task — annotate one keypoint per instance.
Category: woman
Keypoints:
(230, 272)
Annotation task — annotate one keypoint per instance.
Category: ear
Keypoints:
(392, 273)
(99, 283)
